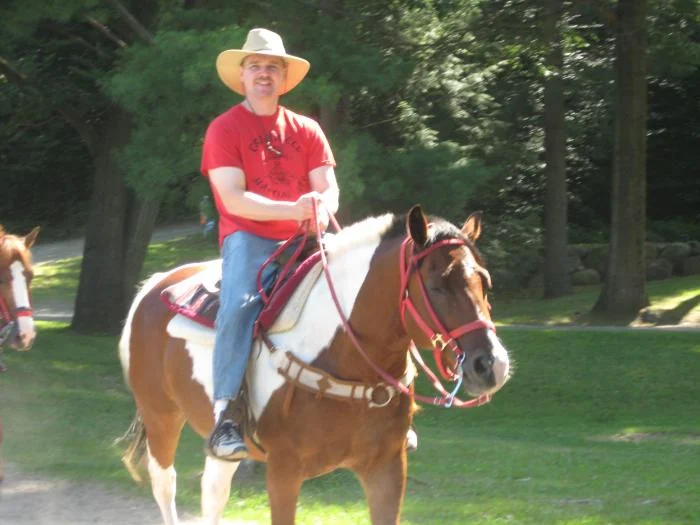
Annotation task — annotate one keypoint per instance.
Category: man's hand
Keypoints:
(305, 211)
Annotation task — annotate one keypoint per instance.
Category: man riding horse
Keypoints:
(267, 167)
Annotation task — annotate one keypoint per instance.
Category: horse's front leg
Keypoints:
(284, 482)
(384, 484)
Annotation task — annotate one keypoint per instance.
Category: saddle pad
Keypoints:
(196, 297)
(285, 305)
(289, 314)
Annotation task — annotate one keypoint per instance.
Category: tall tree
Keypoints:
(59, 56)
(120, 222)
(624, 292)
(557, 281)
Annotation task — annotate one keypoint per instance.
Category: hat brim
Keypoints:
(228, 65)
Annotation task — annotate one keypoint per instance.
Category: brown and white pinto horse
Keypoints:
(16, 320)
(397, 280)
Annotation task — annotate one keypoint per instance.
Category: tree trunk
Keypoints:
(557, 281)
(332, 116)
(118, 232)
(100, 301)
(140, 225)
(624, 292)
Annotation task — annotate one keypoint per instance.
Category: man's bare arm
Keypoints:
(229, 183)
(323, 181)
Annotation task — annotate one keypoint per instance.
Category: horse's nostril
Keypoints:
(483, 364)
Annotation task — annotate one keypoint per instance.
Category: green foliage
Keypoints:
(513, 250)
(436, 102)
(44, 170)
(674, 53)
(672, 231)
(177, 72)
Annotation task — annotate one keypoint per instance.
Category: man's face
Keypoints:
(263, 76)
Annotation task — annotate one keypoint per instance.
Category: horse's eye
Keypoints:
(437, 287)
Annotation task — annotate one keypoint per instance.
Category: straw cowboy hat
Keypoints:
(260, 42)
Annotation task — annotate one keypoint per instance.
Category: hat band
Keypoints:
(269, 50)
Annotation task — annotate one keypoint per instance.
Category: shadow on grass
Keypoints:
(672, 316)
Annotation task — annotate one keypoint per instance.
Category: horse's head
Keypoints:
(16, 320)
(444, 290)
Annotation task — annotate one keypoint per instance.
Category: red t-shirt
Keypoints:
(238, 138)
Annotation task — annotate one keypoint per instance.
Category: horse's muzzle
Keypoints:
(486, 370)
(20, 338)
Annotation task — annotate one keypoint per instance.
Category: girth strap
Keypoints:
(320, 382)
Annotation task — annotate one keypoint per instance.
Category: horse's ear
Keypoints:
(472, 226)
(30, 238)
(417, 225)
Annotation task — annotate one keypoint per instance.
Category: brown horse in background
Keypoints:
(16, 318)
(397, 280)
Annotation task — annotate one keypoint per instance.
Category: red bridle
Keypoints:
(440, 338)
(446, 399)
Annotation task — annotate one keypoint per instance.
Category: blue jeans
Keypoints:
(240, 304)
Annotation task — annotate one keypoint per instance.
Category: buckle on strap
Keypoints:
(376, 393)
(439, 343)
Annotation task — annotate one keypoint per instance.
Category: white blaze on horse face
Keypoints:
(20, 292)
(501, 361)
(319, 321)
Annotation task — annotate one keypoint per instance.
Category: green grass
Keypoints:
(673, 298)
(594, 428)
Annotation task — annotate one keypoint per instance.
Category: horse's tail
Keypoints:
(135, 439)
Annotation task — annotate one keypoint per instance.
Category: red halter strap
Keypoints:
(5, 311)
(440, 337)
(446, 399)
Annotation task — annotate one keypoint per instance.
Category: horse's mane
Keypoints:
(389, 226)
(362, 232)
(443, 230)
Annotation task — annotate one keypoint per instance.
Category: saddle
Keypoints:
(197, 297)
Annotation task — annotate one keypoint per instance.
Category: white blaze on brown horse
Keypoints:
(16, 319)
(397, 281)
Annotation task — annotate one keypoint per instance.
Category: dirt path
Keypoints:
(44, 252)
(33, 500)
